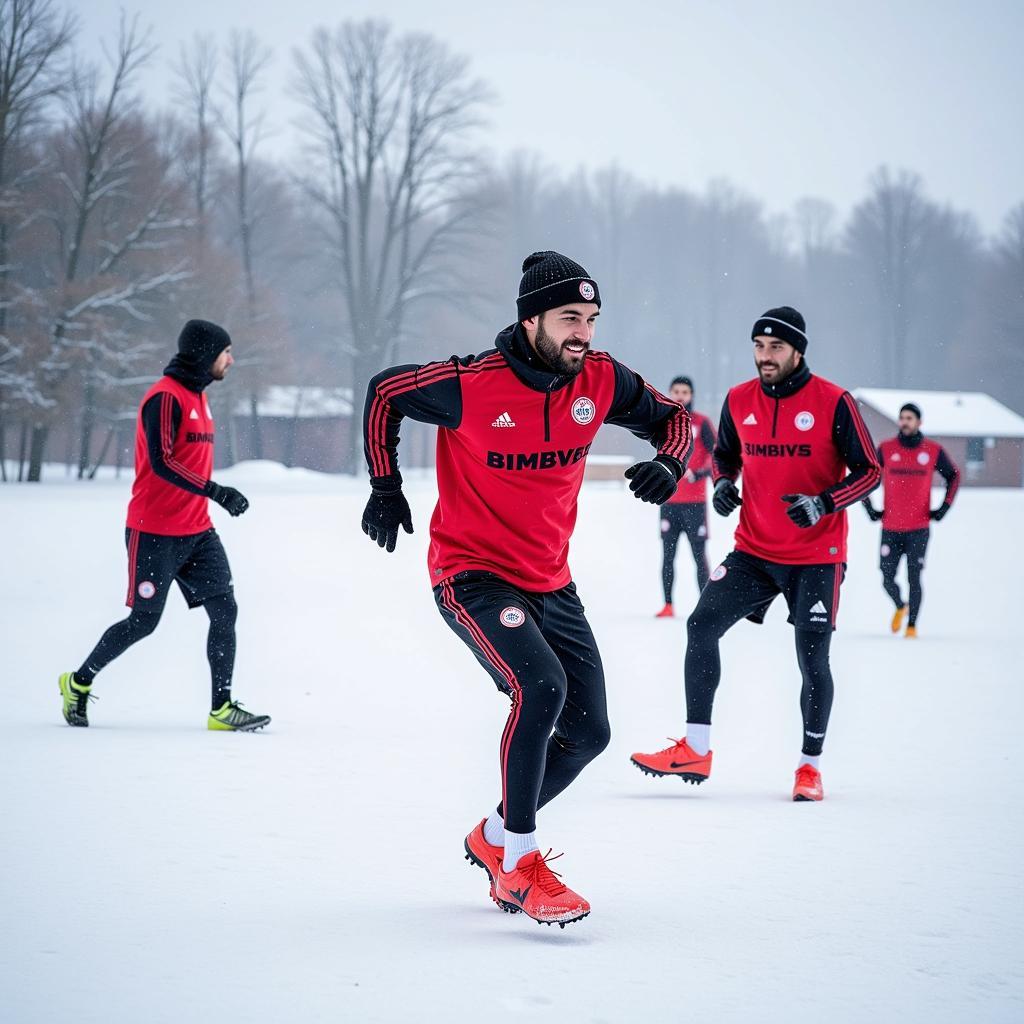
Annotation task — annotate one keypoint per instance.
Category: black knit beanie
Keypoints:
(682, 380)
(201, 342)
(910, 407)
(551, 280)
(783, 322)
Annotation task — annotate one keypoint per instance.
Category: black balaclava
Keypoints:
(199, 345)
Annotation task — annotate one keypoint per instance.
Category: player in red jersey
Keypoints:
(793, 436)
(516, 424)
(909, 462)
(687, 510)
(169, 535)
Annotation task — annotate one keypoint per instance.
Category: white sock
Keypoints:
(517, 844)
(812, 761)
(698, 737)
(494, 829)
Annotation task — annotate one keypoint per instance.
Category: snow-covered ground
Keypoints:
(153, 871)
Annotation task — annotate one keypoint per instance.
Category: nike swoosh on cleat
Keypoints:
(684, 764)
(520, 896)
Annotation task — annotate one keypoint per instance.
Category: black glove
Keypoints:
(804, 509)
(873, 513)
(938, 514)
(384, 513)
(655, 481)
(235, 502)
(726, 498)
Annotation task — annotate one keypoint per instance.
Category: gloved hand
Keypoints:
(938, 514)
(654, 481)
(804, 509)
(726, 498)
(873, 513)
(234, 501)
(384, 513)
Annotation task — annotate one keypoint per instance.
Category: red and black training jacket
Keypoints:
(804, 435)
(511, 449)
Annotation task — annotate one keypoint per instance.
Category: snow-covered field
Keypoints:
(153, 871)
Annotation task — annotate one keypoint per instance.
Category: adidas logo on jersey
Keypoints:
(819, 609)
(193, 415)
(750, 421)
(504, 420)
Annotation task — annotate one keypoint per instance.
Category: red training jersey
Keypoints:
(511, 451)
(696, 491)
(907, 474)
(799, 437)
(173, 461)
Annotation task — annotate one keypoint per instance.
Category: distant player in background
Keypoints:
(169, 535)
(909, 462)
(805, 456)
(687, 510)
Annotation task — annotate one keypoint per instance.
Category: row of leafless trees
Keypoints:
(385, 234)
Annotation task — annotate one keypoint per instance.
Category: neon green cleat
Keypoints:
(76, 698)
(232, 717)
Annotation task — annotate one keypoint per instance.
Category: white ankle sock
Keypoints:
(494, 829)
(698, 737)
(517, 844)
(812, 761)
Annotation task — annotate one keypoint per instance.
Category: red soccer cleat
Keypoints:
(680, 760)
(535, 889)
(808, 784)
(484, 855)
(666, 613)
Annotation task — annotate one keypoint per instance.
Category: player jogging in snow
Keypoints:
(909, 461)
(792, 435)
(687, 510)
(516, 424)
(169, 535)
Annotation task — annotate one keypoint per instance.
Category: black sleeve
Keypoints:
(853, 441)
(431, 393)
(946, 467)
(161, 421)
(727, 460)
(650, 415)
(867, 501)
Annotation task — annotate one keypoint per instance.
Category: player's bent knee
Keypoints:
(143, 623)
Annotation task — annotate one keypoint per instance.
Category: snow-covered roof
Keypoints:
(948, 413)
(289, 401)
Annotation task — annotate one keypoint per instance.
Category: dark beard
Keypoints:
(784, 371)
(551, 352)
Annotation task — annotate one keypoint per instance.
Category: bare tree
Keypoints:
(815, 222)
(93, 276)
(888, 233)
(196, 70)
(34, 38)
(391, 123)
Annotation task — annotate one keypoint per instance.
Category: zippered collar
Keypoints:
(910, 442)
(513, 344)
(791, 385)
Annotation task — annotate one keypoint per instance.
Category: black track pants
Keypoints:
(744, 587)
(539, 650)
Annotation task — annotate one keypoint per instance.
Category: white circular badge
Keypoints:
(583, 411)
(922, 458)
(804, 421)
(147, 589)
(587, 290)
(512, 617)
(719, 574)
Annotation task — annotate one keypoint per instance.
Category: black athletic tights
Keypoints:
(704, 669)
(914, 581)
(220, 644)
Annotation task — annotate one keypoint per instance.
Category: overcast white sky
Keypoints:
(785, 98)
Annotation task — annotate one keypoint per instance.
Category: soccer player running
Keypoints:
(792, 435)
(516, 423)
(909, 462)
(687, 510)
(169, 535)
